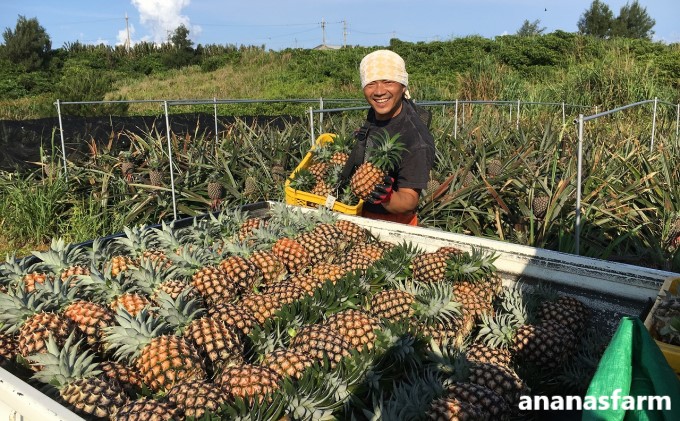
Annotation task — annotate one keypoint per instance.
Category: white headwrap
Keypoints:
(383, 65)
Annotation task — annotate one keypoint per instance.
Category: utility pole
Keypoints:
(344, 33)
(127, 30)
(323, 32)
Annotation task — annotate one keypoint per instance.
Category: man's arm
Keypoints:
(404, 200)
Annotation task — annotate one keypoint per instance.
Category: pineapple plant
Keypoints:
(383, 156)
(155, 172)
(215, 190)
(70, 372)
(127, 165)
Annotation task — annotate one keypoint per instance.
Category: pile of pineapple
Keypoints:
(293, 315)
(322, 176)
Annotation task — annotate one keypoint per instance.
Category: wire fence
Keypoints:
(515, 106)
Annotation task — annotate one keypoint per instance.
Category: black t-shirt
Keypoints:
(418, 157)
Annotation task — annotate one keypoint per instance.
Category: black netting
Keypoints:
(20, 141)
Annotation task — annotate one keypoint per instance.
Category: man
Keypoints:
(385, 84)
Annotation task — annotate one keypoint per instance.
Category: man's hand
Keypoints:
(381, 192)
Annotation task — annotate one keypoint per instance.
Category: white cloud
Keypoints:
(162, 17)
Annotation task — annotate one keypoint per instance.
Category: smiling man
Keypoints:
(385, 84)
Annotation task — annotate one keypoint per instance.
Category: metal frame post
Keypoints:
(564, 114)
(517, 125)
(172, 174)
(455, 122)
(321, 114)
(656, 101)
(579, 163)
(61, 135)
(217, 136)
(311, 124)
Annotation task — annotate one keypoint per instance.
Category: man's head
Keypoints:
(384, 81)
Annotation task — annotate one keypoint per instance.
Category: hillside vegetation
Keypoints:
(554, 67)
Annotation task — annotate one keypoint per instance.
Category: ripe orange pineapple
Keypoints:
(161, 358)
(382, 157)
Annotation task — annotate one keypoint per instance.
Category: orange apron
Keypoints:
(408, 218)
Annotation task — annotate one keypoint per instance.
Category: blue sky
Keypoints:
(279, 24)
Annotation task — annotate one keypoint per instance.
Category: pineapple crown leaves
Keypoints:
(435, 303)
(228, 221)
(312, 396)
(62, 365)
(166, 236)
(103, 286)
(303, 180)
(136, 239)
(132, 333)
(18, 305)
(513, 302)
(60, 255)
(57, 293)
(190, 260)
(470, 266)
(13, 270)
(150, 273)
(385, 151)
(178, 312)
(497, 331)
(411, 397)
(269, 407)
(322, 153)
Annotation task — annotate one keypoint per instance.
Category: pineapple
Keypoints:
(356, 327)
(161, 358)
(155, 172)
(381, 157)
(491, 403)
(72, 371)
(262, 306)
(321, 343)
(449, 408)
(480, 352)
(234, 316)
(214, 285)
(292, 253)
(287, 362)
(243, 272)
(539, 205)
(211, 337)
(272, 268)
(9, 349)
(197, 398)
(319, 248)
(127, 166)
(249, 381)
(494, 168)
(354, 233)
(63, 260)
(116, 291)
(392, 305)
(215, 190)
(327, 272)
(122, 374)
(33, 319)
(147, 409)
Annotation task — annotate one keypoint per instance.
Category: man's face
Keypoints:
(385, 96)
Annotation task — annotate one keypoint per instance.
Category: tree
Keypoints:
(529, 29)
(633, 22)
(28, 45)
(597, 20)
(180, 38)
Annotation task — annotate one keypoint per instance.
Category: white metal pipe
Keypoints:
(172, 173)
(517, 125)
(579, 164)
(321, 114)
(63, 145)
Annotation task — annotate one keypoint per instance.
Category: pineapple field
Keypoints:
(273, 312)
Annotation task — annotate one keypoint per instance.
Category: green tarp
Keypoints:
(633, 381)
